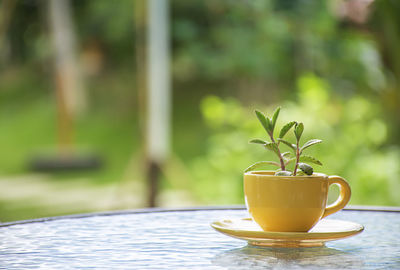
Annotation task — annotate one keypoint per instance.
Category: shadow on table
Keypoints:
(286, 258)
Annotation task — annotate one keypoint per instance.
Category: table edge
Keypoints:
(183, 209)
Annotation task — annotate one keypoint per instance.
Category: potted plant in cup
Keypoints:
(293, 197)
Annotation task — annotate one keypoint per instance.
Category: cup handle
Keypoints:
(344, 196)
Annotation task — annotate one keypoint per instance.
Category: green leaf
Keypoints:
(286, 156)
(283, 173)
(300, 173)
(260, 164)
(257, 141)
(269, 124)
(275, 117)
(272, 146)
(298, 130)
(290, 161)
(306, 168)
(304, 158)
(311, 159)
(264, 122)
(291, 145)
(286, 128)
(309, 143)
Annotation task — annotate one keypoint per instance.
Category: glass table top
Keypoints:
(185, 240)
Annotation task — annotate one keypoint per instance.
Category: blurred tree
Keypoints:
(71, 99)
(6, 11)
(385, 25)
(263, 46)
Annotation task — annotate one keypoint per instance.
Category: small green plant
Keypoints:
(285, 158)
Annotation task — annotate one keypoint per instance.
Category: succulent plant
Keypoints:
(285, 158)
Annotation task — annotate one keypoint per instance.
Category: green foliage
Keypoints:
(355, 144)
(265, 122)
(292, 146)
(260, 164)
(284, 159)
(305, 158)
(298, 130)
(258, 141)
(283, 173)
(272, 146)
(275, 117)
(286, 128)
(309, 143)
(311, 159)
(281, 40)
(307, 169)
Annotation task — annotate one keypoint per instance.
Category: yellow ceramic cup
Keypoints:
(291, 203)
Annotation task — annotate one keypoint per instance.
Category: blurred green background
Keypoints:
(334, 65)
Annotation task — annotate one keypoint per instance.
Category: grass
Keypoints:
(109, 129)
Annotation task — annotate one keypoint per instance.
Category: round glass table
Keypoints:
(183, 239)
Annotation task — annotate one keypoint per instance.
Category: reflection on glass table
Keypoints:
(176, 239)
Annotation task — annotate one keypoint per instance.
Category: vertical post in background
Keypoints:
(158, 94)
(69, 90)
(153, 84)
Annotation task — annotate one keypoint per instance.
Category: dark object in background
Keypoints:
(66, 163)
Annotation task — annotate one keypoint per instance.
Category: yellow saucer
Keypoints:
(325, 230)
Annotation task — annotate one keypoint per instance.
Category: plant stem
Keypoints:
(279, 154)
(297, 158)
